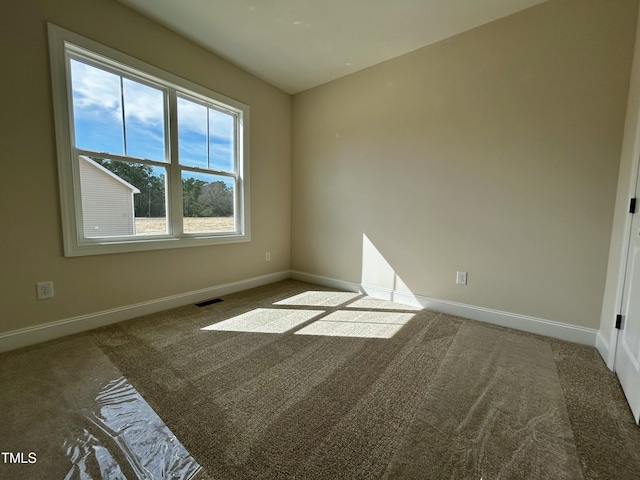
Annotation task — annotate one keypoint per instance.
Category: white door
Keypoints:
(627, 363)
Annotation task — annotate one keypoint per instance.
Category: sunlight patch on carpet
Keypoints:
(319, 299)
(265, 320)
(358, 324)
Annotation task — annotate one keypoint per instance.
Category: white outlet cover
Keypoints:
(44, 290)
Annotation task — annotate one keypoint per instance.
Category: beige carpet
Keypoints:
(292, 380)
(497, 410)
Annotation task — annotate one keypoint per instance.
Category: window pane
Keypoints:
(144, 120)
(192, 133)
(122, 198)
(221, 135)
(97, 109)
(208, 205)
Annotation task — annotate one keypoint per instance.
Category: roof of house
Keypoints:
(109, 173)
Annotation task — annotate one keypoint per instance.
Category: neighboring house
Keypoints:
(107, 201)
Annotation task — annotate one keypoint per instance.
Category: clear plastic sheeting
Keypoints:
(121, 437)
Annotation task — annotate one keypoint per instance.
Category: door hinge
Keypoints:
(632, 206)
(618, 321)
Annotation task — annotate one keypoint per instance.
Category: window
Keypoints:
(146, 160)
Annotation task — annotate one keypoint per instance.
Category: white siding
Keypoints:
(107, 202)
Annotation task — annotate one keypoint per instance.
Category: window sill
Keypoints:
(104, 247)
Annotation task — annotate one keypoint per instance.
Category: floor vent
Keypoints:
(208, 302)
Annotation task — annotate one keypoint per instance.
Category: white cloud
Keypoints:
(97, 100)
(193, 117)
(143, 103)
(96, 92)
(221, 125)
(95, 89)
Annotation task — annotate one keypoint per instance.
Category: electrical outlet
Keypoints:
(44, 290)
(461, 278)
(267, 257)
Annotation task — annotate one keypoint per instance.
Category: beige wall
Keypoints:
(495, 152)
(31, 243)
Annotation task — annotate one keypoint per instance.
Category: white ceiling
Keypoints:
(299, 44)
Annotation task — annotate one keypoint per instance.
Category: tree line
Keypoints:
(200, 198)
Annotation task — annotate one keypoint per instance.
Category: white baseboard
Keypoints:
(326, 281)
(604, 349)
(41, 333)
(49, 331)
(539, 326)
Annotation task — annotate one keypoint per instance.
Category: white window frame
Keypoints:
(62, 45)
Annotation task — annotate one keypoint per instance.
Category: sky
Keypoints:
(130, 122)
